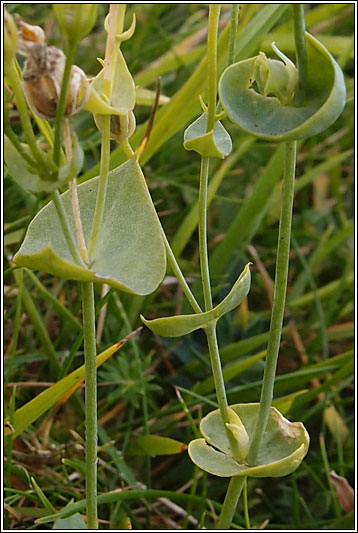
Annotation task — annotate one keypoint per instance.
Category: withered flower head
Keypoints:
(42, 75)
(28, 36)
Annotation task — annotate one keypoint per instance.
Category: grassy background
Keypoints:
(136, 390)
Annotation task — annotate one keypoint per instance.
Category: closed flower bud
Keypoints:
(42, 75)
(75, 20)
(122, 127)
(10, 40)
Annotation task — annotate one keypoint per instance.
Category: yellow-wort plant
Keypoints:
(106, 229)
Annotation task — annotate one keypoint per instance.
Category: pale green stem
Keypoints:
(74, 195)
(61, 106)
(233, 33)
(89, 335)
(210, 330)
(102, 186)
(214, 14)
(115, 25)
(179, 275)
(301, 55)
(282, 262)
(246, 506)
(66, 228)
(203, 249)
(25, 120)
(230, 503)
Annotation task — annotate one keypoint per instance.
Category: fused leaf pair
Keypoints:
(215, 143)
(258, 94)
(176, 326)
(130, 254)
(122, 94)
(284, 444)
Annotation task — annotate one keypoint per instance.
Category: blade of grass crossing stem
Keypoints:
(57, 305)
(31, 411)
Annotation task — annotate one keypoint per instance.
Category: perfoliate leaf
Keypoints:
(176, 326)
(130, 254)
(283, 447)
(215, 143)
(271, 113)
(123, 88)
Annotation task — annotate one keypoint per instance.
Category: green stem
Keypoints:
(301, 55)
(25, 120)
(234, 23)
(89, 335)
(278, 307)
(179, 275)
(102, 186)
(61, 105)
(66, 228)
(115, 26)
(215, 362)
(210, 330)
(19, 147)
(246, 506)
(203, 249)
(230, 503)
(214, 14)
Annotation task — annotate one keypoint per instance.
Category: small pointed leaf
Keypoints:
(283, 447)
(130, 254)
(176, 326)
(275, 116)
(123, 88)
(215, 143)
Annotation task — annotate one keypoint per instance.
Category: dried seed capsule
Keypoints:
(122, 127)
(42, 75)
(28, 36)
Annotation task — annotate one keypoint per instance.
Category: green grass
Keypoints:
(43, 314)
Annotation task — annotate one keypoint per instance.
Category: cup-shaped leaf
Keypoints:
(215, 143)
(274, 115)
(130, 254)
(176, 326)
(283, 447)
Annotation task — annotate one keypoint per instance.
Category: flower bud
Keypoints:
(277, 78)
(75, 20)
(42, 75)
(10, 40)
(122, 127)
